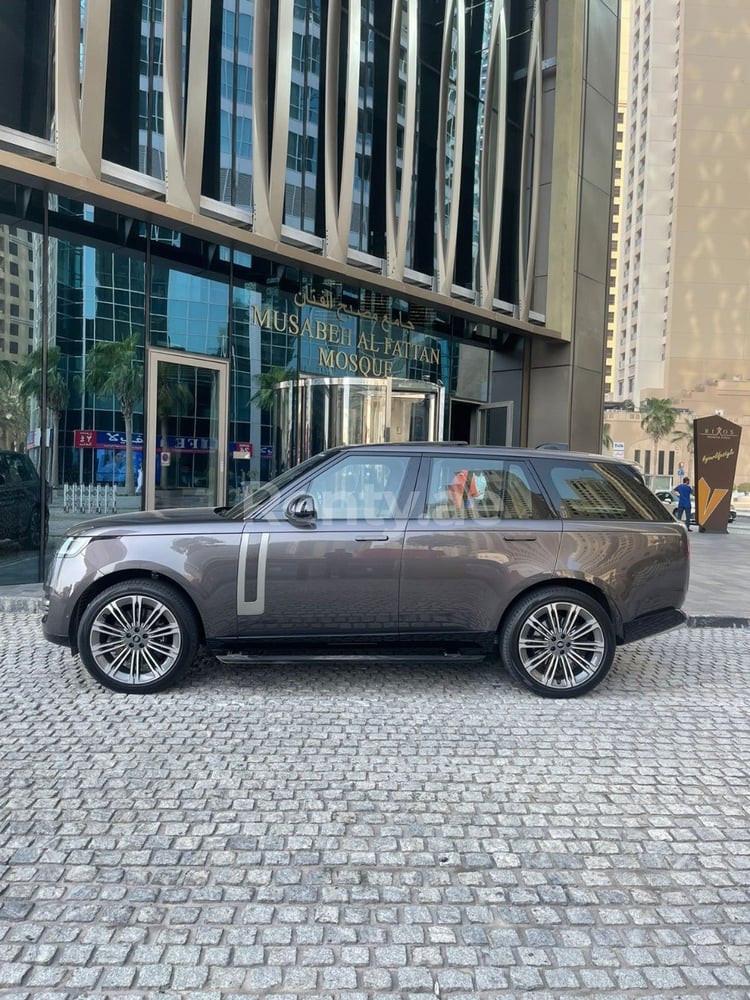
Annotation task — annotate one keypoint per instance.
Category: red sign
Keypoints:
(85, 439)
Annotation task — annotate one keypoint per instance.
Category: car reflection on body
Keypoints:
(546, 560)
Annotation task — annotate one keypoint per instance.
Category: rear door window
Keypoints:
(467, 487)
(598, 491)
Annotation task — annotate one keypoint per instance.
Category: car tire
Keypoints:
(558, 642)
(138, 636)
(33, 537)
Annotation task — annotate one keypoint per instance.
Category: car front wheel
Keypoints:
(558, 642)
(138, 636)
(33, 536)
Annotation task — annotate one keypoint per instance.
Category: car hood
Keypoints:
(173, 521)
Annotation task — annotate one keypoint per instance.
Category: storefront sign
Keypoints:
(115, 440)
(105, 439)
(716, 444)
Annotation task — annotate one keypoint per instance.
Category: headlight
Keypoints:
(72, 546)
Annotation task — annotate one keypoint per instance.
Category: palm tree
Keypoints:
(30, 384)
(684, 436)
(266, 384)
(14, 420)
(113, 368)
(172, 398)
(658, 418)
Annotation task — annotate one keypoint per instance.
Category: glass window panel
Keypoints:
(189, 312)
(135, 88)
(482, 489)
(26, 61)
(360, 488)
(227, 165)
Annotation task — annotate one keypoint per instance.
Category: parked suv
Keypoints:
(548, 560)
(20, 500)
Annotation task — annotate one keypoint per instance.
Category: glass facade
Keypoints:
(308, 362)
(192, 324)
(27, 66)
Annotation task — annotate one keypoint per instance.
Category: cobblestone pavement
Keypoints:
(347, 831)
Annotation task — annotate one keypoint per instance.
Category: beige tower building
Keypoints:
(683, 321)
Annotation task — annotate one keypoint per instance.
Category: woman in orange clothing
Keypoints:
(461, 492)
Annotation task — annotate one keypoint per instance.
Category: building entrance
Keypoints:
(314, 413)
(187, 410)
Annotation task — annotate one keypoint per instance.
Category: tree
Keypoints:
(658, 418)
(173, 398)
(30, 384)
(266, 384)
(113, 368)
(14, 419)
(683, 435)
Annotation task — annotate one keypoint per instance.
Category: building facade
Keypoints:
(683, 329)
(246, 230)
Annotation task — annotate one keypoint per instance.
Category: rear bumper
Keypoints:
(652, 624)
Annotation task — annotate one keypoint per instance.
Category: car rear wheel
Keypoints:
(558, 642)
(138, 636)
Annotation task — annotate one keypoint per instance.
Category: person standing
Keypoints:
(684, 493)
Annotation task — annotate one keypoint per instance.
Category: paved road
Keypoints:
(377, 833)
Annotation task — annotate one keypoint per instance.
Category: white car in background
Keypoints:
(670, 502)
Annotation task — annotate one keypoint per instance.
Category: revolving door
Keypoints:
(314, 413)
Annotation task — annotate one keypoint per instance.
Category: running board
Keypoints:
(279, 657)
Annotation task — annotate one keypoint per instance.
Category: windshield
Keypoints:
(249, 504)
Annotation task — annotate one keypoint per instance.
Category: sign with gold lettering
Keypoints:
(716, 443)
(348, 339)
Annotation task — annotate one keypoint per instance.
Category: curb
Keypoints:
(21, 603)
(717, 621)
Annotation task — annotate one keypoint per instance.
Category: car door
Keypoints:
(13, 505)
(330, 569)
(484, 534)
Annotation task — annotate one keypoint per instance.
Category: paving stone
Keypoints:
(374, 831)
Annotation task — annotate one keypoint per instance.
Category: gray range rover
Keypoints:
(546, 560)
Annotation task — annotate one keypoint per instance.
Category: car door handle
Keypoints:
(519, 538)
(371, 538)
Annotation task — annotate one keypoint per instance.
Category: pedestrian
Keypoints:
(684, 493)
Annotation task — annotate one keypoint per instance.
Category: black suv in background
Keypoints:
(20, 505)
(547, 560)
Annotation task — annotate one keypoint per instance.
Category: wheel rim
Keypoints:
(135, 639)
(561, 645)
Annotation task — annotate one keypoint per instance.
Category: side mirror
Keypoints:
(301, 511)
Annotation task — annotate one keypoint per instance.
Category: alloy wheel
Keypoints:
(561, 645)
(135, 639)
